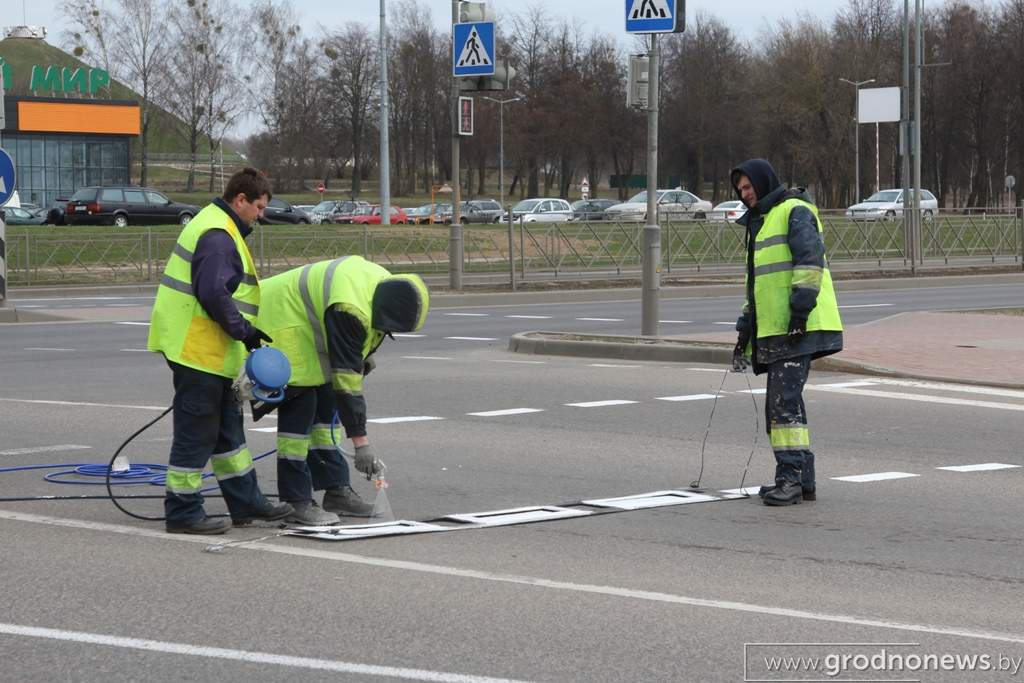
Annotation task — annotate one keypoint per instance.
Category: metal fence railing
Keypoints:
(534, 251)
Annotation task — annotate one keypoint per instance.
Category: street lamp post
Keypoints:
(856, 135)
(385, 151)
(501, 143)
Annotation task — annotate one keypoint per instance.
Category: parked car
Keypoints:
(728, 211)
(398, 216)
(672, 205)
(351, 212)
(888, 205)
(280, 212)
(591, 209)
(55, 212)
(481, 211)
(429, 213)
(19, 215)
(125, 205)
(543, 210)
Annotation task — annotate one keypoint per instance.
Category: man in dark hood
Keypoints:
(790, 316)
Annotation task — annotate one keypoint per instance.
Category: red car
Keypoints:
(373, 217)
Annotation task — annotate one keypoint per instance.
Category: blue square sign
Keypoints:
(652, 16)
(473, 49)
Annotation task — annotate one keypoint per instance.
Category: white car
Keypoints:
(728, 212)
(541, 210)
(672, 205)
(888, 205)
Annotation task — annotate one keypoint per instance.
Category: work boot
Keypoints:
(784, 493)
(267, 512)
(308, 513)
(345, 501)
(808, 493)
(207, 525)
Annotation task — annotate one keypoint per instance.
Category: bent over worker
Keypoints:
(202, 324)
(328, 318)
(790, 317)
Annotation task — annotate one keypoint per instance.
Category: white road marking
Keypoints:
(611, 365)
(45, 449)
(984, 467)
(600, 404)
(714, 370)
(759, 392)
(675, 322)
(120, 305)
(247, 656)
(427, 358)
(87, 298)
(265, 430)
(473, 338)
(44, 348)
(690, 397)
(510, 411)
(396, 420)
(866, 305)
(745, 491)
(408, 336)
(848, 385)
(522, 362)
(81, 403)
(948, 386)
(877, 476)
(525, 580)
(469, 315)
(136, 350)
(729, 324)
(531, 317)
(925, 398)
(131, 323)
(603, 320)
(33, 306)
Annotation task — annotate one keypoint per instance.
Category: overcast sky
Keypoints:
(747, 17)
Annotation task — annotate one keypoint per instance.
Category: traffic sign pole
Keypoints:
(652, 231)
(455, 230)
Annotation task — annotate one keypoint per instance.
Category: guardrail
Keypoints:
(533, 251)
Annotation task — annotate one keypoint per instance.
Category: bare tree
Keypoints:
(141, 51)
(90, 40)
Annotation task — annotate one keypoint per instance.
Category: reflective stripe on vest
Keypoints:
(180, 328)
(775, 277)
(292, 312)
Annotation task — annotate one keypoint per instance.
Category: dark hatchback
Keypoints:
(126, 205)
(280, 212)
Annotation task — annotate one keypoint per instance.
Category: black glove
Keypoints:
(797, 328)
(740, 362)
(369, 365)
(255, 339)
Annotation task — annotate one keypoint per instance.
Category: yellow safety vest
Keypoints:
(775, 276)
(180, 328)
(293, 308)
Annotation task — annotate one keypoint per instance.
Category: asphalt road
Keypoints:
(922, 559)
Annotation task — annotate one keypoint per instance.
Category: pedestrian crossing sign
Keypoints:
(473, 49)
(655, 16)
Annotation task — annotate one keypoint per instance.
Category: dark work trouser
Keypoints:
(307, 458)
(786, 420)
(208, 424)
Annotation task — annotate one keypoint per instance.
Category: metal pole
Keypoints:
(652, 230)
(511, 249)
(501, 151)
(856, 146)
(3, 227)
(455, 230)
(878, 177)
(905, 123)
(919, 69)
(385, 151)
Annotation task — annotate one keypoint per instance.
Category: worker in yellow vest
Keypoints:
(202, 323)
(328, 318)
(790, 317)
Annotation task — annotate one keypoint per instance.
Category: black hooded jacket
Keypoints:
(808, 249)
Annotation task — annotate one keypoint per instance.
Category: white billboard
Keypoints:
(878, 105)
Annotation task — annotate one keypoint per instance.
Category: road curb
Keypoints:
(658, 349)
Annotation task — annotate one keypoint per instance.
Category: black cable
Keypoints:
(110, 467)
(757, 433)
(695, 484)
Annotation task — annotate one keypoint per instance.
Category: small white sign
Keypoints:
(878, 105)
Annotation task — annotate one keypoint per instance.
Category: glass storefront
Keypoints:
(51, 167)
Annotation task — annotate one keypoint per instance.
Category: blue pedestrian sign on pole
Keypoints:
(655, 16)
(6, 177)
(473, 49)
